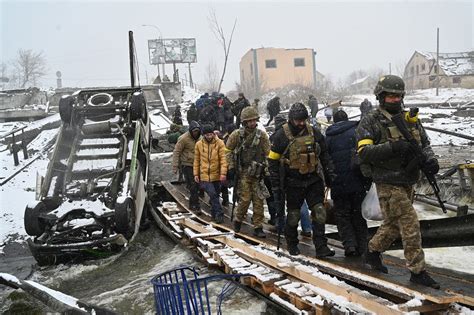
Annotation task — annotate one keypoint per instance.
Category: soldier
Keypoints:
(299, 161)
(365, 107)
(313, 105)
(273, 107)
(248, 148)
(238, 106)
(387, 157)
(183, 157)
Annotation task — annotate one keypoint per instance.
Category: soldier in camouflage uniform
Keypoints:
(247, 149)
(300, 167)
(385, 156)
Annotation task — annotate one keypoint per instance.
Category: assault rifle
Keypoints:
(420, 157)
(281, 204)
(236, 184)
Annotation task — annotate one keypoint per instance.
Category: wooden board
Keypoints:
(458, 287)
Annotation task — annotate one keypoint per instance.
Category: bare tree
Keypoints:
(30, 66)
(211, 82)
(400, 68)
(220, 35)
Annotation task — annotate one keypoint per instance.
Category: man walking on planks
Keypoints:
(210, 168)
(390, 160)
(300, 167)
(247, 149)
(183, 157)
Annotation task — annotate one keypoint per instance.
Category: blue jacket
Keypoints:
(341, 143)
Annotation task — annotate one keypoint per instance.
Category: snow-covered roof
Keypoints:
(459, 63)
(360, 80)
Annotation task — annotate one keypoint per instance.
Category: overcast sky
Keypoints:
(88, 40)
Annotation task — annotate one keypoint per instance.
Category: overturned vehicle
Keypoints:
(91, 200)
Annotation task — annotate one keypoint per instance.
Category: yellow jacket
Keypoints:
(209, 160)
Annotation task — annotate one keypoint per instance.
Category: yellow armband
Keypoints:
(274, 156)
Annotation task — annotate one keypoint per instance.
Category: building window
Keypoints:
(251, 69)
(423, 67)
(270, 63)
(412, 70)
(417, 70)
(457, 80)
(299, 62)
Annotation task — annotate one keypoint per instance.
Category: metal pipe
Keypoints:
(452, 133)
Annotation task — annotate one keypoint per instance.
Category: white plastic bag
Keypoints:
(371, 205)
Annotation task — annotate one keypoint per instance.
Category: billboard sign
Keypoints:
(172, 50)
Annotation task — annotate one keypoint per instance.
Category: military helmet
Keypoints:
(298, 111)
(389, 84)
(249, 113)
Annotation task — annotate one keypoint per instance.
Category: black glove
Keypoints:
(431, 167)
(403, 148)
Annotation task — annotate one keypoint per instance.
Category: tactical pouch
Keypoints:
(255, 169)
(304, 166)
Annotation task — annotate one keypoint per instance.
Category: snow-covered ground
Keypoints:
(20, 191)
(427, 96)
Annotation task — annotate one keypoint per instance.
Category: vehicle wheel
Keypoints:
(44, 260)
(100, 99)
(65, 108)
(125, 217)
(33, 224)
(138, 106)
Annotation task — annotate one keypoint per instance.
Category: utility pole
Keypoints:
(190, 76)
(389, 68)
(437, 61)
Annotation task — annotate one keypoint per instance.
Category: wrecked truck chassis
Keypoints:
(63, 242)
(91, 200)
(50, 254)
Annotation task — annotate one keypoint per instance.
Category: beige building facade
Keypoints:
(455, 70)
(264, 69)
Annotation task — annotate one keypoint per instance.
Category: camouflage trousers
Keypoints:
(247, 190)
(400, 219)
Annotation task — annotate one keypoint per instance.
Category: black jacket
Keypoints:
(341, 143)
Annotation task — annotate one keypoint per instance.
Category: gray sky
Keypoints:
(87, 40)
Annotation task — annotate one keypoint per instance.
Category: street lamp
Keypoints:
(161, 39)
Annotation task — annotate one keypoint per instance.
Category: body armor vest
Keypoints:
(303, 151)
(390, 133)
(252, 158)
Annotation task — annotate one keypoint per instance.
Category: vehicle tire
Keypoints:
(138, 106)
(65, 108)
(125, 217)
(100, 99)
(33, 225)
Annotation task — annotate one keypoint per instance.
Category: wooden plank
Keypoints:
(367, 300)
(364, 277)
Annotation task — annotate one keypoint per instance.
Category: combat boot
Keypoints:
(351, 251)
(324, 251)
(424, 278)
(374, 259)
(258, 232)
(293, 250)
(237, 226)
(219, 219)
